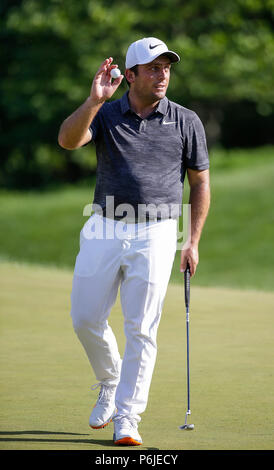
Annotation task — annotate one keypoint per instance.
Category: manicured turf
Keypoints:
(45, 376)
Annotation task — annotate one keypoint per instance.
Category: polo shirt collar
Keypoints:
(162, 106)
(125, 103)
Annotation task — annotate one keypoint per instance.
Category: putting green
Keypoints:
(46, 378)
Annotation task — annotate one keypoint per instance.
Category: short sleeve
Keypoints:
(95, 127)
(195, 146)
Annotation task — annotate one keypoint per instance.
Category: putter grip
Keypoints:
(187, 285)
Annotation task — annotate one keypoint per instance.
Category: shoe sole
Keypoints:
(102, 426)
(127, 441)
(105, 424)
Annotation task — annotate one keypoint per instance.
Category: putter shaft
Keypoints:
(187, 299)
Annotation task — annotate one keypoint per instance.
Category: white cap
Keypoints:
(146, 50)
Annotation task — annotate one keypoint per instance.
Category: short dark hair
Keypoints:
(135, 70)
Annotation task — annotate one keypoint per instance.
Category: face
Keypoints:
(151, 82)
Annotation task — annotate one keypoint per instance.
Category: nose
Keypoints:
(163, 73)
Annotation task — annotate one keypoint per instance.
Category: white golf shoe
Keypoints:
(126, 431)
(104, 409)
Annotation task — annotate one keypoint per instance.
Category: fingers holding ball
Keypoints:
(115, 73)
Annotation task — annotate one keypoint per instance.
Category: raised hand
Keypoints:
(103, 86)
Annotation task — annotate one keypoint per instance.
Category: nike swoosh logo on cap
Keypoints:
(152, 47)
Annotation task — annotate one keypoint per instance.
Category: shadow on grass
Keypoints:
(104, 443)
(97, 442)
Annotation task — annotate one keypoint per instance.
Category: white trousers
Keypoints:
(139, 259)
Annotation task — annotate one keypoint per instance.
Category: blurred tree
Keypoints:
(54, 47)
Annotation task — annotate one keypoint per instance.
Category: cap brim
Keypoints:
(172, 55)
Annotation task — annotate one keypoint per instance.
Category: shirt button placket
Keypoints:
(143, 125)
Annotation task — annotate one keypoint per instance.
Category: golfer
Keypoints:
(145, 144)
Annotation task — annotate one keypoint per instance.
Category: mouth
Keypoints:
(160, 87)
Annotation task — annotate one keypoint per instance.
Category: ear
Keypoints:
(130, 75)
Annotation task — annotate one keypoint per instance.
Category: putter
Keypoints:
(187, 300)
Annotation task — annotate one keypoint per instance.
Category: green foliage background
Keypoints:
(52, 49)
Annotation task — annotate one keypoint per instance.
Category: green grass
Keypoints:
(45, 376)
(43, 227)
(236, 249)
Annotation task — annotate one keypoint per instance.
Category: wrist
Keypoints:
(93, 103)
(190, 246)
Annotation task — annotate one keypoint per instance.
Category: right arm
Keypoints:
(74, 132)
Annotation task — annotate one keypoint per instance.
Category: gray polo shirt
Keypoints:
(142, 162)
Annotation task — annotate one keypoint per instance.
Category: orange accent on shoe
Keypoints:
(127, 441)
(101, 427)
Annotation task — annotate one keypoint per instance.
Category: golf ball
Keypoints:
(115, 73)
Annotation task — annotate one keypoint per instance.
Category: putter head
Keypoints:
(187, 427)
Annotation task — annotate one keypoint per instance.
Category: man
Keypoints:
(145, 144)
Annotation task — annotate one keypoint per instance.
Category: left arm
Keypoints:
(200, 202)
